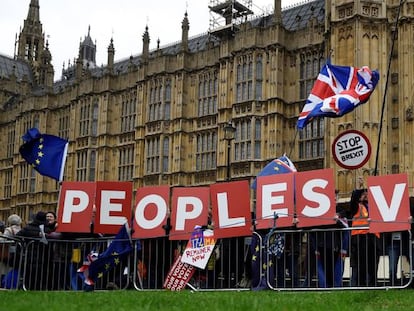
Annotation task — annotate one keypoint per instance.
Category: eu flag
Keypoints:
(262, 263)
(46, 153)
(97, 265)
(337, 91)
(280, 165)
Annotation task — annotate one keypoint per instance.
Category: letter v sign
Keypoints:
(389, 203)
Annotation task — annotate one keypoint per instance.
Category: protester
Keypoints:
(38, 253)
(36, 227)
(14, 226)
(4, 254)
(51, 224)
(331, 248)
(9, 248)
(60, 254)
(365, 246)
(51, 221)
(398, 244)
(14, 223)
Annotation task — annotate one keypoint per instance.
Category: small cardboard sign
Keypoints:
(199, 248)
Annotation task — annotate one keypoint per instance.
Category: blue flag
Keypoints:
(46, 153)
(337, 91)
(280, 165)
(262, 264)
(96, 265)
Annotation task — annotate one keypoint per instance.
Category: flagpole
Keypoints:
(386, 86)
(58, 200)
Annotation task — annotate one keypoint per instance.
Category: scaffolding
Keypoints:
(225, 15)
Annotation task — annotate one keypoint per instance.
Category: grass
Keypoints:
(362, 300)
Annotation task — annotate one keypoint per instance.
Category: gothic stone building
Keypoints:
(159, 118)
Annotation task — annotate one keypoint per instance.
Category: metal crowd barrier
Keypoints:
(280, 260)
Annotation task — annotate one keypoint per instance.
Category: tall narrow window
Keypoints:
(206, 151)
(24, 176)
(64, 124)
(155, 100)
(11, 135)
(84, 119)
(249, 80)
(244, 140)
(27, 49)
(128, 112)
(32, 180)
(152, 155)
(92, 165)
(7, 188)
(207, 94)
(165, 154)
(82, 165)
(311, 140)
(126, 163)
(36, 121)
(258, 139)
(259, 77)
(167, 101)
(95, 115)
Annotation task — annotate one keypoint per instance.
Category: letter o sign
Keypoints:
(351, 149)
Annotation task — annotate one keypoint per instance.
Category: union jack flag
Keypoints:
(337, 91)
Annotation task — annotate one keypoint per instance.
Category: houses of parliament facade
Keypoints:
(163, 117)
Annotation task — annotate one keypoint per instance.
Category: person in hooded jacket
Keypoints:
(34, 228)
(37, 257)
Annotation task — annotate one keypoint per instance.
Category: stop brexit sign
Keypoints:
(351, 149)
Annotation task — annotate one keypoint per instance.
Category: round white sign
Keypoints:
(351, 149)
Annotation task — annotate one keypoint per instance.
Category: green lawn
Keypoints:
(362, 300)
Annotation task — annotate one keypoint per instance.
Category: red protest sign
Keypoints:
(179, 275)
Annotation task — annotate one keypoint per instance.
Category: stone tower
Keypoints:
(87, 51)
(31, 47)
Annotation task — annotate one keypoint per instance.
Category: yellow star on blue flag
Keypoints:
(46, 153)
(119, 248)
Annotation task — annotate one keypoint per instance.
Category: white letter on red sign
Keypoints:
(322, 199)
(161, 206)
(183, 214)
(388, 213)
(268, 200)
(223, 212)
(107, 207)
(69, 207)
